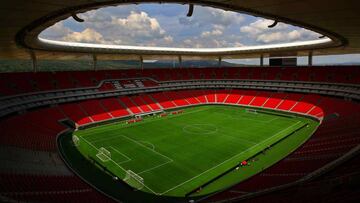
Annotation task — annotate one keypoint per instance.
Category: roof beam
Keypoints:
(77, 18)
(191, 10)
(274, 24)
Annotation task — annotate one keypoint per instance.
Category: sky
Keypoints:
(166, 25)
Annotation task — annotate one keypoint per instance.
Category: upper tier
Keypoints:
(18, 83)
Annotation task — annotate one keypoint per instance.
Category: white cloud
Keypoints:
(168, 39)
(270, 37)
(208, 27)
(56, 31)
(87, 36)
(105, 27)
(139, 23)
(215, 32)
(204, 16)
(286, 36)
(261, 26)
(136, 27)
(260, 31)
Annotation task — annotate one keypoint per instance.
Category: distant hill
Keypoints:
(63, 65)
(342, 64)
(197, 64)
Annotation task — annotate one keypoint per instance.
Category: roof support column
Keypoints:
(33, 61)
(141, 63)
(261, 60)
(180, 61)
(219, 62)
(94, 58)
(310, 58)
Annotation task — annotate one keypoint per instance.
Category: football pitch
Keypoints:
(177, 154)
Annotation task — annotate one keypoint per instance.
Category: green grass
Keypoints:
(177, 154)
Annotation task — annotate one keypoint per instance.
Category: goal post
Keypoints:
(103, 154)
(134, 180)
(254, 111)
(76, 140)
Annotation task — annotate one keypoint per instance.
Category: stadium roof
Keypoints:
(22, 21)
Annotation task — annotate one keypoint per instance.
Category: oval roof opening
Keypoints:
(167, 25)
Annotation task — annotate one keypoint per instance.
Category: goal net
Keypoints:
(103, 154)
(134, 180)
(76, 140)
(251, 111)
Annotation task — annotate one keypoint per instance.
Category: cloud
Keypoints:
(202, 16)
(139, 24)
(168, 39)
(295, 35)
(87, 36)
(147, 26)
(261, 26)
(135, 27)
(260, 31)
(215, 32)
(108, 28)
(211, 41)
(56, 31)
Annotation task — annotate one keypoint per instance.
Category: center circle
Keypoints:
(204, 129)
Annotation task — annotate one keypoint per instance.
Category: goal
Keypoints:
(134, 180)
(254, 111)
(76, 140)
(103, 154)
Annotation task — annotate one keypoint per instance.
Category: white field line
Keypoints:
(143, 122)
(153, 147)
(153, 150)
(264, 122)
(120, 166)
(146, 147)
(172, 160)
(104, 139)
(169, 160)
(242, 140)
(226, 160)
(163, 118)
(155, 167)
(103, 160)
(259, 121)
(184, 129)
(117, 151)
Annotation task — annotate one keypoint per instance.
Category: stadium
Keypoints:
(180, 101)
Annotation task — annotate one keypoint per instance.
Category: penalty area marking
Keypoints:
(169, 160)
(117, 151)
(147, 187)
(255, 120)
(155, 167)
(152, 146)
